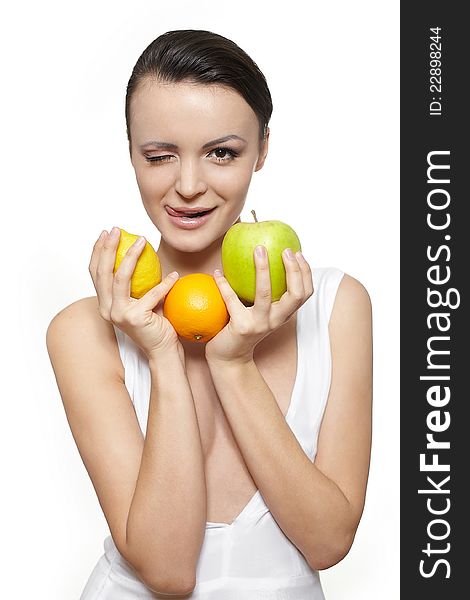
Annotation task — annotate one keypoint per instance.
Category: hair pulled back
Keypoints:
(200, 56)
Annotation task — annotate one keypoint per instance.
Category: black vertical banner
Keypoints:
(434, 262)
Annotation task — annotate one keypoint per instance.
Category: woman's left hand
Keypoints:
(249, 325)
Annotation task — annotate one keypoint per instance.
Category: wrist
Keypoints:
(231, 373)
(164, 357)
(229, 363)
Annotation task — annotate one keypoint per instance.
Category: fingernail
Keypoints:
(140, 241)
(300, 255)
(217, 272)
(103, 234)
(260, 251)
(288, 252)
(114, 232)
(174, 274)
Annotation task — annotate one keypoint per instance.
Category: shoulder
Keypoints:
(83, 312)
(338, 292)
(351, 317)
(79, 330)
(79, 307)
(352, 294)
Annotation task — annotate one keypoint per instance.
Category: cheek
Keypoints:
(151, 184)
(231, 182)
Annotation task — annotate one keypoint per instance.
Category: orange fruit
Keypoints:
(195, 307)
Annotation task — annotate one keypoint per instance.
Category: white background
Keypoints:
(332, 173)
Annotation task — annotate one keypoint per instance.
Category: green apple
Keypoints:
(238, 259)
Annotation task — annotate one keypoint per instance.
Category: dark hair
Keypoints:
(199, 56)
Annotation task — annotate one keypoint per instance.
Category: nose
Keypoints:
(189, 182)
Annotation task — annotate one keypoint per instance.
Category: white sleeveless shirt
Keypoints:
(250, 558)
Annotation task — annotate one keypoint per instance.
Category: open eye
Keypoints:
(228, 154)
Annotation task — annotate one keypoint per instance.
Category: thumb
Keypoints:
(155, 294)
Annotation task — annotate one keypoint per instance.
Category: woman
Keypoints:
(238, 467)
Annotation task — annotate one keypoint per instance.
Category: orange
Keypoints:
(195, 307)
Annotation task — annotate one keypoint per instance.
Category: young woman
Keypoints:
(235, 468)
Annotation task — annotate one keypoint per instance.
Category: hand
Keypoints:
(249, 325)
(150, 330)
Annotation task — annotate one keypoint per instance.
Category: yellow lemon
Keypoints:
(147, 273)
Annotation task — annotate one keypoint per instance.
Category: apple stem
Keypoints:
(254, 216)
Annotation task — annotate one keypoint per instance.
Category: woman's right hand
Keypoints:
(150, 330)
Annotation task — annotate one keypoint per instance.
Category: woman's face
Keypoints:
(183, 159)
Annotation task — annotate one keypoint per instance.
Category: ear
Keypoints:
(263, 153)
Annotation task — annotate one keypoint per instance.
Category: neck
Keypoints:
(203, 261)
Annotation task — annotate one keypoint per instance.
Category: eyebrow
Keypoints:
(171, 146)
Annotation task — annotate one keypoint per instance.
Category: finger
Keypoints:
(295, 293)
(95, 255)
(104, 297)
(121, 283)
(150, 299)
(306, 273)
(294, 277)
(105, 267)
(232, 301)
(263, 297)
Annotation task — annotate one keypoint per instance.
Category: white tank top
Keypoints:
(250, 558)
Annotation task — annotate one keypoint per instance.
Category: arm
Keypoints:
(141, 483)
(322, 509)
(167, 517)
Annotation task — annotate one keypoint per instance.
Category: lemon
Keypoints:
(147, 273)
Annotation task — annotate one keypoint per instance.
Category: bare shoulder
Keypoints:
(351, 327)
(80, 323)
(82, 308)
(352, 298)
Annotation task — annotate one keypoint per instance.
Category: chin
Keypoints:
(192, 241)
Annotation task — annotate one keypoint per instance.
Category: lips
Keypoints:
(188, 212)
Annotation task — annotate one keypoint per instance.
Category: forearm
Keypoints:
(308, 506)
(166, 522)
